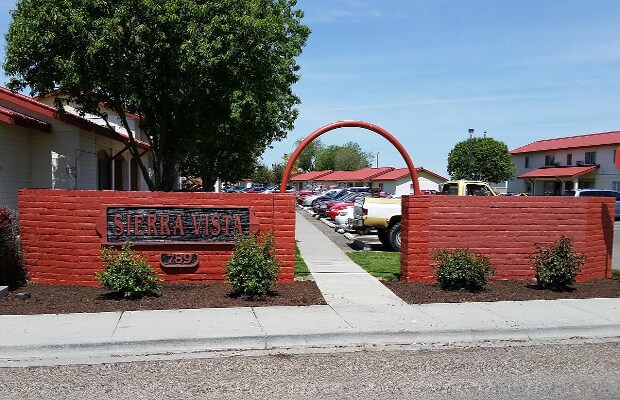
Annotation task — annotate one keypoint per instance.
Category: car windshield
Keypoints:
(349, 197)
(450, 189)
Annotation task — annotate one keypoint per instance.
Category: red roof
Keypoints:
(558, 172)
(310, 176)
(16, 118)
(572, 142)
(354, 176)
(401, 173)
(43, 109)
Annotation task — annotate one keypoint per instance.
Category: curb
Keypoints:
(357, 243)
(129, 351)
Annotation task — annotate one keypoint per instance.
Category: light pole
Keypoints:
(377, 159)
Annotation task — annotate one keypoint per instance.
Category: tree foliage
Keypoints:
(262, 175)
(349, 157)
(210, 81)
(484, 159)
(308, 157)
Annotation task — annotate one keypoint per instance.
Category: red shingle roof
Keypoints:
(30, 104)
(309, 176)
(401, 173)
(16, 118)
(591, 140)
(558, 172)
(354, 176)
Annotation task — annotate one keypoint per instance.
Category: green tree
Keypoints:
(307, 159)
(349, 157)
(484, 159)
(262, 175)
(277, 171)
(210, 80)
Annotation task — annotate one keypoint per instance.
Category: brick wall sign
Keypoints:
(505, 229)
(174, 225)
(186, 237)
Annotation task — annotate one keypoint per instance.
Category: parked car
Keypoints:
(310, 199)
(334, 209)
(384, 214)
(597, 193)
(344, 218)
(321, 207)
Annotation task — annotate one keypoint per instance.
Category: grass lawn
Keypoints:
(381, 264)
(301, 269)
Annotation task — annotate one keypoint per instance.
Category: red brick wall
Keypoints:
(61, 244)
(505, 229)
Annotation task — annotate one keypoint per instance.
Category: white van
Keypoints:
(597, 193)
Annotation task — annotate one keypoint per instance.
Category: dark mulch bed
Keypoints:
(420, 293)
(78, 299)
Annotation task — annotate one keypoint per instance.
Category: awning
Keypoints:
(558, 172)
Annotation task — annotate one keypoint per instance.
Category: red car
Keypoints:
(302, 194)
(336, 208)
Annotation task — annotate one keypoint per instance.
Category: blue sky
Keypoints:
(428, 70)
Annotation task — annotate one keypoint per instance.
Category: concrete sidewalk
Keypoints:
(360, 313)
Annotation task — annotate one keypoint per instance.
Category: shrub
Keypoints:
(556, 265)
(127, 273)
(462, 269)
(12, 272)
(253, 267)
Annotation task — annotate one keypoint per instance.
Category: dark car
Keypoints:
(321, 207)
(597, 193)
(334, 195)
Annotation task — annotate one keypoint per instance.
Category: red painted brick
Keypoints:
(505, 229)
(61, 245)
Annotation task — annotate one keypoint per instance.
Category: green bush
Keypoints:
(127, 273)
(462, 269)
(12, 272)
(556, 265)
(253, 267)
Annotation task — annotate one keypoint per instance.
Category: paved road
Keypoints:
(588, 371)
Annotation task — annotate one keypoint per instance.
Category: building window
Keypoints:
(527, 162)
(589, 184)
(549, 161)
(616, 186)
(569, 159)
(591, 157)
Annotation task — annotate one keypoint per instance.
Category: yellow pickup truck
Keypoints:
(384, 214)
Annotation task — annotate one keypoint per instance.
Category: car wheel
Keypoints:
(384, 237)
(394, 236)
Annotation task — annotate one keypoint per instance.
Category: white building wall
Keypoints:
(604, 177)
(14, 163)
(403, 186)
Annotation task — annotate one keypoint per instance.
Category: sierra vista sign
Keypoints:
(169, 225)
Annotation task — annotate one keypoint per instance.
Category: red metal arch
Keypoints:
(350, 124)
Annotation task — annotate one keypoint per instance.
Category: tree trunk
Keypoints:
(208, 183)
